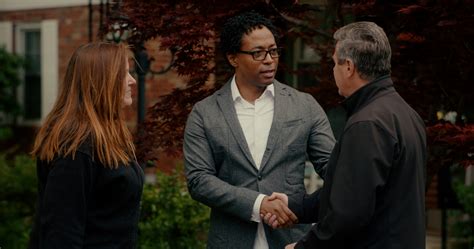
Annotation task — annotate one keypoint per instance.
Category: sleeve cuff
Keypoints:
(310, 240)
(299, 245)
(256, 208)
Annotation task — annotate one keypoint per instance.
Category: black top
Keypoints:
(373, 194)
(82, 204)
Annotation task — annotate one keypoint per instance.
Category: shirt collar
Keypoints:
(236, 93)
(367, 93)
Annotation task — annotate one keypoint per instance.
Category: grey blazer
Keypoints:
(221, 173)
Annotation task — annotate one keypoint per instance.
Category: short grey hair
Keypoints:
(367, 45)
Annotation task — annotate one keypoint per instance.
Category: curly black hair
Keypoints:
(235, 28)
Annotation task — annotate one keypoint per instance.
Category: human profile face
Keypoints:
(249, 71)
(129, 80)
(338, 73)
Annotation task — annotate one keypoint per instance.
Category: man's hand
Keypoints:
(281, 196)
(271, 220)
(282, 216)
(290, 246)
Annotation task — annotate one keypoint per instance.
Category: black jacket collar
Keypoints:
(365, 94)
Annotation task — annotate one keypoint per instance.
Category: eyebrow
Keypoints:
(261, 47)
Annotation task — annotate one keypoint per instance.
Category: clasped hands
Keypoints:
(274, 211)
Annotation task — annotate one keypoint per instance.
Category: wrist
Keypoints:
(257, 207)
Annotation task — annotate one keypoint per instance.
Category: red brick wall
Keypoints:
(156, 84)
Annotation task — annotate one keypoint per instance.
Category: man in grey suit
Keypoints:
(251, 138)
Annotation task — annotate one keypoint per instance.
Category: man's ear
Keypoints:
(232, 60)
(349, 69)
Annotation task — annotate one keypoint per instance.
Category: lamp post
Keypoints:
(119, 30)
(141, 68)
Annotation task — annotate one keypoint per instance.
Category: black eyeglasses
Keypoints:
(260, 55)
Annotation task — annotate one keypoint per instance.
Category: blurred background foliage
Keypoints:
(9, 81)
(17, 200)
(170, 219)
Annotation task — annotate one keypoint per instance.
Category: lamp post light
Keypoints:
(118, 28)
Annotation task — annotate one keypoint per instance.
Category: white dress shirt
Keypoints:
(256, 120)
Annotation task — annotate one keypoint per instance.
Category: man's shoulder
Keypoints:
(210, 102)
(207, 100)
(289, 90)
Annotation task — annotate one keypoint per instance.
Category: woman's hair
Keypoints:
(367, 45)
(89, 106)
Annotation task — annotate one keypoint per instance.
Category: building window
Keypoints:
(32, 75)
(38, 44)
(307, 63)
(303, 60)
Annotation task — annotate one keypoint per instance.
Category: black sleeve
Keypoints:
(41, 173)
(64, 202)
(362, 168)
(305, 207)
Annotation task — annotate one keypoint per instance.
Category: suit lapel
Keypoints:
(279, 115)
(226, 104)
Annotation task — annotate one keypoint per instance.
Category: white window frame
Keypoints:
(12, 5)
(6, 37)
(49, 64)
(6, 40)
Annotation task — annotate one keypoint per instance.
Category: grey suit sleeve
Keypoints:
(321, 138)
(201, 173)
(320, 144)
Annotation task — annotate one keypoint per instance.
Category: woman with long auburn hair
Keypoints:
(90, 185)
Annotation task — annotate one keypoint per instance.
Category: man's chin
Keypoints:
(341, 94)
(265, 83)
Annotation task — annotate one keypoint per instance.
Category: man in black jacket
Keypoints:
(373, 194)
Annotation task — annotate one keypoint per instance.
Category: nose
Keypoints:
(268, 58)
(131, 80)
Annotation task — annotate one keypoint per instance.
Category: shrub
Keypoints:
(9, 80)
(170, 218)
(462, 221)
(17, 200)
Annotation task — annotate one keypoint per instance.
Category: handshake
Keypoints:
(274, 211)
